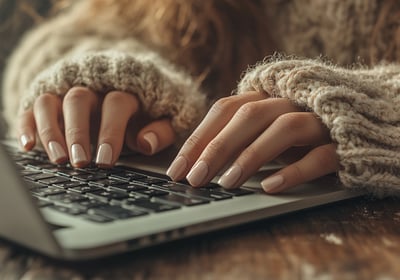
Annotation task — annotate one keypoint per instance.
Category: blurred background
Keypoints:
(17, 16)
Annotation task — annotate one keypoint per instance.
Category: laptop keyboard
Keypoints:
(106, 195)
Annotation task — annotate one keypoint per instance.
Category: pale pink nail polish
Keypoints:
(78, 154)
(56, 152)
(152, 141)
(272, 183)
(198, 173)
(26, 141)
(230, 177)
(178, 166)
(104, 154)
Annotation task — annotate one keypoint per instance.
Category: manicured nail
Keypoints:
(57, 153)
(230, 177)
(272, 183)
(78, 154)
(178, 166)
(198, 173)
(152, 142)
(104, 154)
(26, 141)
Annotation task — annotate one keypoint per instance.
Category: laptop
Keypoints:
(83, 214)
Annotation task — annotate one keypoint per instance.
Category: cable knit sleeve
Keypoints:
(360, 107)
(56, 57)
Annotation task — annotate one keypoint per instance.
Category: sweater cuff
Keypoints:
(359, 107)
(162, 90)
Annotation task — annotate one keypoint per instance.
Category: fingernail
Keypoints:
(78, 154)
(57, 153)
(272, 183)
(178, 166)
(104, 154)
(198, 173)
(152, 142)
(230, 177)
(26, 141)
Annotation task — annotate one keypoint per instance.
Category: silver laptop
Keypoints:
(84, 214)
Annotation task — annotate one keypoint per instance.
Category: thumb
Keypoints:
(155, 137)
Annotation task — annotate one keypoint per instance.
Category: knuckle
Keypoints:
(193, 143)
(77, 94)
(75, 132)
(249, 110)
(44, 99)
(326, 156)
(46, 133)
(251, 155)
(216, 147)
(291, 122)
(297, 173)
(116, 97)
(110, 133)
(222, 105)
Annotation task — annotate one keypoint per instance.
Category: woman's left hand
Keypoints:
(251, 130)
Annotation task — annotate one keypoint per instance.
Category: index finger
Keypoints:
(216, 119)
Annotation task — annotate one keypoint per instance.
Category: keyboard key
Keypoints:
(87, 204)
(90, 177)
(151, 181)
(199, 192)
(43, 192)
(109, 182)
(129, 187)
(67, 210)
(29, 172)
(150, 192)
(54, 180)
(67, 198)
(150, 205)
(70, 184)
(182, 200)
(34, 185)
(127, 175)
(70, 172)
(107, 195)
(40, 176)
(86, 188)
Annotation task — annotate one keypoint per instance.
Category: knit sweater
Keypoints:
(359, 105)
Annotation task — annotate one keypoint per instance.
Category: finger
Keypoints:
(153, 138)
(319, 162)
(289, 130)
(118, 107)
(78, 105)
(246, 125)
(26, 128)
(47, 112)
(216, 119)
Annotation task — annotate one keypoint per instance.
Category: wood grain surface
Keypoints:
(354, 239)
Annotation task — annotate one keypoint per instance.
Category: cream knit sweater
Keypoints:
(360, 106)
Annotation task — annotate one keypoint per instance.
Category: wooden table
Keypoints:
(354, 239)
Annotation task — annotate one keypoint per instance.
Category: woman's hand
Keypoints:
(67, 126)
(250, 130)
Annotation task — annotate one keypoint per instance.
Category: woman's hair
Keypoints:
(215, 40)
(16, 17)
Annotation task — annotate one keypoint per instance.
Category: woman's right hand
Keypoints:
(68, 125)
